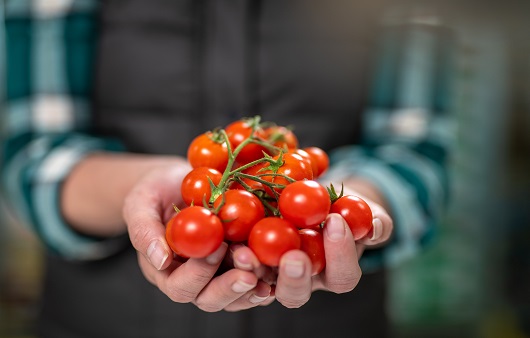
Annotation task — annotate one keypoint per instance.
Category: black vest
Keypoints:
(169, 70)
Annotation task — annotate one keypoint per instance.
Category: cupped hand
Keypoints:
(292, 279)
(147, 208)
(382, 223)
(294, 284)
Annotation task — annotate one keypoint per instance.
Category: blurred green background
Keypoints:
(474, 279)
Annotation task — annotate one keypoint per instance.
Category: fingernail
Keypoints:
(335, 229)
(257, 299)
(377, 229)
(217, 256)
(241, 261)
(243, 265)
(294, 269)
(157, 254)
(241, 287)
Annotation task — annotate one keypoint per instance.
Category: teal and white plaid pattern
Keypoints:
(409, 132)
(45, 128)
(45, 114)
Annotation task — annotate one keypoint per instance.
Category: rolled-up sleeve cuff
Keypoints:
(38, 186)
(410, 221)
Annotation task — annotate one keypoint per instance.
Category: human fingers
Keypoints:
(294, 284)
(145, 227)
(234, 290)
(194, 281)
(382, 228)
(146, 208)
(261, 295)
(182, 282)
(151, 273)
(382, 225)
(243, 258)
(342, 272)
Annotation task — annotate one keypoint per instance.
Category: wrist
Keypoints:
(92, 196)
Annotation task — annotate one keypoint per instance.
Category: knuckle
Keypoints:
(139, 237)
(207, 306)
(180, 294)
(292, 303)
(346, 284)
(202, 275)
(341, 287)
(187, 291)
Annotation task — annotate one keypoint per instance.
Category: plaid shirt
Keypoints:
(46, 132)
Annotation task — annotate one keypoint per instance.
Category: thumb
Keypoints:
(147, 232)
(158, 253)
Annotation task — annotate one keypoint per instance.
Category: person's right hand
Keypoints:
(147, 208)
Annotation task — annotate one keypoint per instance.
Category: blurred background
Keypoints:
(473, 59)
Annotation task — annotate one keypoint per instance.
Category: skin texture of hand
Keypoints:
(146, 210)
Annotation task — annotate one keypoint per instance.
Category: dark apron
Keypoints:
(169, 70)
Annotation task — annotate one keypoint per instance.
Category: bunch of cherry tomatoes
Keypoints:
(252, 184)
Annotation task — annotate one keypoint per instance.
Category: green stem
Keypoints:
(229, 172)
(267, 183)
(273, 210)
(250, 165)
(232, 155)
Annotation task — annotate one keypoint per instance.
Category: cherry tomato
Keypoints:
(304, 203)
(281, 137)
(196, 188)
(194, 232)
(271, 237)
(319, 160)
(356, 212)
(306, 157)
(237, 132)
(240, 211)
(312, 243)
(294, 166)
(179, 256)
(207, 151)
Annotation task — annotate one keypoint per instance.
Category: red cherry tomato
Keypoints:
(240, 211)
(306, 157)
(206, 151)
(271, 237)
(180, 256)
(356, 212)
(304, 203)
(196, 188)
(294, 166)
(319, 160)
(281, 137)
(194, 232)
(237, 132)
(312, 243)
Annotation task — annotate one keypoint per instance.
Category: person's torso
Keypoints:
(169, 70)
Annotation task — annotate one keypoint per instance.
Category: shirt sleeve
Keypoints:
(45, 114)
(408, 133)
